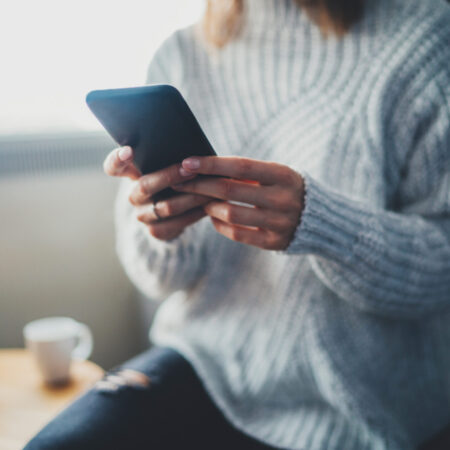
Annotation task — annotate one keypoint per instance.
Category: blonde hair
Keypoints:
(223, 19)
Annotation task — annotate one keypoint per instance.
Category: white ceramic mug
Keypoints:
(54, 341)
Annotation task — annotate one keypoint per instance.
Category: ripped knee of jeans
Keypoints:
(114, 381)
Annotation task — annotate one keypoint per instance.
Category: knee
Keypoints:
(93, 419)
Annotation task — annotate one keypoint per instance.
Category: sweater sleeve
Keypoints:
(157, 268)
(390, 263)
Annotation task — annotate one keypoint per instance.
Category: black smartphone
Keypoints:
(155, 121)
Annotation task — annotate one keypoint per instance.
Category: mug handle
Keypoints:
(85, 343)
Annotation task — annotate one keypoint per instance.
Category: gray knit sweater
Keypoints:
(343, 340)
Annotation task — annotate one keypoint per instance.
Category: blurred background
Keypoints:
(57, 254)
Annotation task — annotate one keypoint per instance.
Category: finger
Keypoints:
(154, 182)
(241, 168)
(180, 204)
(131, 171)
(174, 206)
(250, 236)
(171, 228)
(228, 189)
(119, 162)
(244, 215)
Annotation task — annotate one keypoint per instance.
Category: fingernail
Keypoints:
(125, 153)
(184, 172)
(191, 163)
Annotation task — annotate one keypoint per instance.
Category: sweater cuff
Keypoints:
(330, 225)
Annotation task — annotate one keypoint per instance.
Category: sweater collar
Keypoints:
(276, 14)
(271, 13)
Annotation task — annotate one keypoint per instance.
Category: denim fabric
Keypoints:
(172, 412)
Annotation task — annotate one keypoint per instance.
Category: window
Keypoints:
(54, 52)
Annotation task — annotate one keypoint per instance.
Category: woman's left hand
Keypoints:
(273, 194)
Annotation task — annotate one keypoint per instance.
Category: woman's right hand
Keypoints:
(175, 213)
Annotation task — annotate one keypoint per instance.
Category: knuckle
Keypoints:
(199, 200)
(167, 177)
(283, 171)
(289, 224)
(229, 213)
(271, 241)
(294, 179)
(209, 164)
(191, 186)
(158, 232)
(283, 200)
(170, 175)
(236, 234)
(142, 187)
(164, 209)
(115, 161)
(284, 223)
(272, 197)
(194, 185)
(226, 187)
(293, 203)
(275, 223)
(243, 167)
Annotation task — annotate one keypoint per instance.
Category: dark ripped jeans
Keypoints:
(166, 408)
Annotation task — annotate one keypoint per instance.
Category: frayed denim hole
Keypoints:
(120, 379)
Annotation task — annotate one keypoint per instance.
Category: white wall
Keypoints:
(57, 257)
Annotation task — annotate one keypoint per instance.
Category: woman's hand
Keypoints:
(273, 192)
(165, 219)
(119, 163)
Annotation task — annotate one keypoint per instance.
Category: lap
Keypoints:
(167, 408)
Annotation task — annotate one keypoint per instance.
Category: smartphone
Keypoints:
(155, 121)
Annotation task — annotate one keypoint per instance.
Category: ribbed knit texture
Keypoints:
(343, 340)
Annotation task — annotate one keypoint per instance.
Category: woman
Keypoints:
(312, 303)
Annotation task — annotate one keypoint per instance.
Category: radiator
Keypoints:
(45, 154)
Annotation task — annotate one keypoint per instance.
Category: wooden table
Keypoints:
(26, 403)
